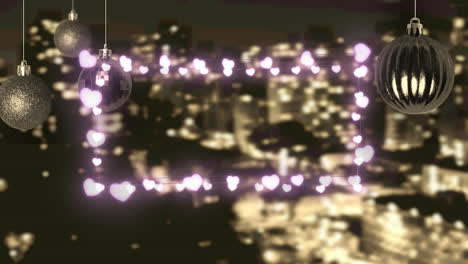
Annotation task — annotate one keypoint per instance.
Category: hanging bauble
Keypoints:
(25, 100)
(71, 36)
(106, 85)
(414, 73)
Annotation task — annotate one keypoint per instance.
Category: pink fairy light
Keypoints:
(326, 180)
(149, 184)
(250, 72)
(315, 69)
(164, 61)
(365, 153)
(307, 59)
(296, 70)
(105, 67)
(90, 98)
(193, 183)
(361, 71)
(144, 69)
(86, 59)
(95, 139)
(179, 187)
(266, 63)
(297, 179)
(227, 63)
(356, 179)
(320, 188)
(207, 186)
(232, 182)
(204, 71)
(355, 116)
(199, 64)
(227, 72)
(336, 68)
(97, 111)
(259, 187)
(96, 162)
(361, 100)
(357, 139)
(92, 188)
(358, 188)
(275, 71)
(270, 182)
(361, 52)
(183, 71)
(122, 191)
(286, 188)
(164, 71)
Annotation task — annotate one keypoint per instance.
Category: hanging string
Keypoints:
(105, 23)
(415, 8)
(23, 30)
(73, 4)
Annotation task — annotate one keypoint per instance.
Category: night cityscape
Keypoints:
(239, 143)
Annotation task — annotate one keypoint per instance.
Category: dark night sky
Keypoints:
(238, 22)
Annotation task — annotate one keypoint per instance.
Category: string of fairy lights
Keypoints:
(122, 191)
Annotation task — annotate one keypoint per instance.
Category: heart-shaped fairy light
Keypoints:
(274, 71)
(259, 187)
(143, 69)
(361, 100)
(297, 179)
(90, 98)
(355, 116)
(325, 180)
(266, 63)
(361, 71)
(270, 182)
(357, 187)
(286, 187)
(232, 182)
(95, 139)
(307, 59)
(207, 186)
(320, 188)
(193, 183)
(357, 139)
(315, 69)
(336, 68)
(250, 72)
(122, 191)
(87, 60)
(149, 184)
(296, 70)
(179, 187)
(356, 179)
(365, 153)
(183, 71)
(97, 111)
(97, 161)
(92, 188)
(159, 187)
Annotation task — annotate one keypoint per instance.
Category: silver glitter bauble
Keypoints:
(106, 85)
(71, 36)
(414, 73)
(25, 101)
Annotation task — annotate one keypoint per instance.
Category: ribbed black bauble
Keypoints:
(71, 36)
(414, 73)
(25, 100)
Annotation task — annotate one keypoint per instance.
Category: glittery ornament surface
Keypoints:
(71, 37)
(108, 78)
(25, 102)
(414, 74)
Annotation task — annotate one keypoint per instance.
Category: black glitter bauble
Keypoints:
(109, 79)
(71, 37)
(25, 102)
(414, 74)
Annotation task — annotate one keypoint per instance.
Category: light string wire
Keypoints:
(73, 4)
(360, 122)
(23, 32)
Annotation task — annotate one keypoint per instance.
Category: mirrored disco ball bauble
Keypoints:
(414, 73)
(25, 102)
(105, 84)
(71, 37)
